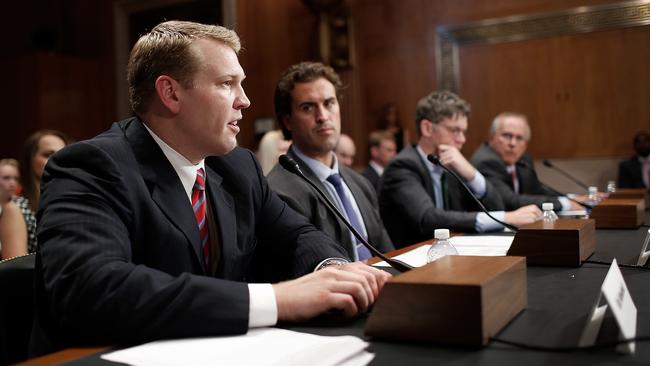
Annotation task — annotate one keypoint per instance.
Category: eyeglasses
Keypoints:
(456, 131)
(509, 137)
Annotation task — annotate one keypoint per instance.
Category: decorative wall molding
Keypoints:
(582, 19)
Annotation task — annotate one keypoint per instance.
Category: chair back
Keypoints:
(16, 307)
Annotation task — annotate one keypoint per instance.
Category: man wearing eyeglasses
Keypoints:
(506, 165)
(416, 197)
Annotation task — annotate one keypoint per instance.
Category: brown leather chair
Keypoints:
(16, 307)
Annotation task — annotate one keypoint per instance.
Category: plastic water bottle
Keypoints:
(611, 186)
(592, 198)
(441, 246)
(549, 215)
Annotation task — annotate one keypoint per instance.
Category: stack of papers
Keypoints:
(261, 346)
(494, 245)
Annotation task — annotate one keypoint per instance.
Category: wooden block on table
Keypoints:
(641, 193)
(619, 213)
(564, 242)
(461, 300)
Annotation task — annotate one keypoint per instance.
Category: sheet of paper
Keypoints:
(260, 346)
(480, 245)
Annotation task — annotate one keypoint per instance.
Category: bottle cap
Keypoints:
(547, 206)
(441, 234)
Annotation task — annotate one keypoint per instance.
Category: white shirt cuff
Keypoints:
(477, 185)
(263, 309)
(566, 204)
(485, 223)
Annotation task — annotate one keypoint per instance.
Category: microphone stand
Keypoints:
(575, 180)
(434, 159)
(290, 165)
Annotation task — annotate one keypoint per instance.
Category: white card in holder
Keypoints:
(618, 299)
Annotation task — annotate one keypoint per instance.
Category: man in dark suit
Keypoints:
(504, 163)
(306, 105)
(152, 229)
(382, 148)
(417, 197)
(635, 172)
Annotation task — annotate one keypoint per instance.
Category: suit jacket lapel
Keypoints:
(163, 182)
(224, 207)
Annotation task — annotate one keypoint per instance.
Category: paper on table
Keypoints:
(260, 346)
(495, 245)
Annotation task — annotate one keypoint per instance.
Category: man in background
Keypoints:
(345, 150)
(504, 162)
(382, 150)
(307, 108)
(635, 172)
(417, 197)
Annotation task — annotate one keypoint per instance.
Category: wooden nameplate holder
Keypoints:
(641, 193)
(619, 213)
(460, 300)
(564, 242)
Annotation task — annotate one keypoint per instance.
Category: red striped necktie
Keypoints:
(198, 205)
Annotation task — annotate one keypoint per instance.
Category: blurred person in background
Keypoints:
(382, 148)
(13, 231)
(37, 150)
(271, 147)
(9, 180)
(345, 150)
(635, 172)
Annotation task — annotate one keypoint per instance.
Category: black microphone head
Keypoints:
(289, 164)
(547, 163)
(434, 159)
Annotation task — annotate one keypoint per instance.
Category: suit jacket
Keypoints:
(630, 173)
(371, 174)
(531, 190)
(303, 198)
(119, 257)
(406, 201)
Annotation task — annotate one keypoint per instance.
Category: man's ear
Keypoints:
(285, 122)
(426, 128)
(167, 89)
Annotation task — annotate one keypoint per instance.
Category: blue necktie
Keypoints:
(335, 179)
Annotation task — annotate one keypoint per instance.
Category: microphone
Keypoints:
(575, 180)
(290, 165)
(434, 159)
(555, 191)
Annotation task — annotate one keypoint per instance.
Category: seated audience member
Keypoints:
(271, 147)
(345, 150)
(416, 197)
(503, 161)
(152, 229)
(382, 150)
(389, 121)
(307, 107)
(9, 179)
(635, 172)
(37, 150)
(13, 231)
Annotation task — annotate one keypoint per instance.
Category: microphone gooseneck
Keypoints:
(435, 160)
(572, 178)
(290, 165)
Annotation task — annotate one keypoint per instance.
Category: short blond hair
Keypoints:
(165, 50)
